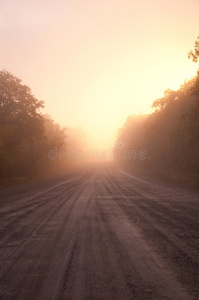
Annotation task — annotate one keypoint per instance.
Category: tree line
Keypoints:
(169, 135)
(26, 134)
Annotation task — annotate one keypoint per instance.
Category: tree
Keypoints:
(19, 109)
(194, 54)
(20, 119)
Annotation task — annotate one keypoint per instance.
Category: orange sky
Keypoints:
(95, 62)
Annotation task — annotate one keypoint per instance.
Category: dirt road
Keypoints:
(98, 233)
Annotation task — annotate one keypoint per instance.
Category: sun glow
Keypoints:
(94, 62)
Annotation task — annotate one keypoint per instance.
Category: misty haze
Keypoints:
(99, 150)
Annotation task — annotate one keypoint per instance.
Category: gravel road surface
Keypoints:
(98, 233)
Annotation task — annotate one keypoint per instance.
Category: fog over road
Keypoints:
(98, 233)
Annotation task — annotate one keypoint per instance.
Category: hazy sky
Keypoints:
(94, 62)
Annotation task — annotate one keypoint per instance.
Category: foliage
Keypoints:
(26, 135)
(170, 135)
(194, 54)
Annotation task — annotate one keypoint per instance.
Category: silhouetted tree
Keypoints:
(19, 109)
(20, 120)
(194, 54)
(27, 136)
(170, 135)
